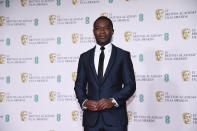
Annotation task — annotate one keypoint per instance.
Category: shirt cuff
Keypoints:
(83, 107)
(116, 104)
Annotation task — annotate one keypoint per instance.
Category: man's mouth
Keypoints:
(102, 37)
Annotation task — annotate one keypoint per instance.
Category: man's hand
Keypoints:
(105, 104)
(91, 105)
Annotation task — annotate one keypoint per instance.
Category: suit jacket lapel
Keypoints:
(110, 64)
(92, 66)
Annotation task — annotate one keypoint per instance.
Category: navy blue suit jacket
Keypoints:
(118, 83)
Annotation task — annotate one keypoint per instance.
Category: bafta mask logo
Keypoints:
(24, 115)
(52, 95)
(74, 2)
(159, 96)
(130, 115)
(75, 37)
(52, 19)
(187, 118)
(127, 0)
(185, 33)
(104, 14)
(159, 14)
(2, 95)
(2, 20)
(24, 39)
(159, 55)
(127, 36)
(74, 76)
(24, 77)
(52, 57)
(75, 115)
(23, 3)
(2, 59)
(186, 75)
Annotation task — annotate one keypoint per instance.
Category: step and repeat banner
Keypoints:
(40, 45)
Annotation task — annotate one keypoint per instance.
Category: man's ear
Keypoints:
(112, 31)
(93, 31)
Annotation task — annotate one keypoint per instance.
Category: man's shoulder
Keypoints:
(88, 52)
(121, 51)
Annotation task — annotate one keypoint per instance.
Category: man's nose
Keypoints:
(102, 30)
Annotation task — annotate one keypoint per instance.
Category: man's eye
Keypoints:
(99, 28)
(107, 28)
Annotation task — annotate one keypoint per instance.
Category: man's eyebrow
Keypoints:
(105, 25)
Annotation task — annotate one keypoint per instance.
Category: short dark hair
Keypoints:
(104, 18)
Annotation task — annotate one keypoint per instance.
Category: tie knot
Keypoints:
(102, 48)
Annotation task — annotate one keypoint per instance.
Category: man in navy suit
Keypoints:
(105, 80)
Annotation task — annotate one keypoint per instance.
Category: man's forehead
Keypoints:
(102, 21)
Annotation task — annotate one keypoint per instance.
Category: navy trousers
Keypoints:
(101, 126)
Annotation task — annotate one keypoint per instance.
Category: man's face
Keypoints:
(103, 32)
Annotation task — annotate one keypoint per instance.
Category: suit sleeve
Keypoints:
(128, 78)
(81, 82)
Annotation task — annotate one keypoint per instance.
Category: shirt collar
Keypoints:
(108, 47)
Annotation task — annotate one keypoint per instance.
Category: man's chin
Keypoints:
(102, 43)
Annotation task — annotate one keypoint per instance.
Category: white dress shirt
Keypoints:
(107, 52)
